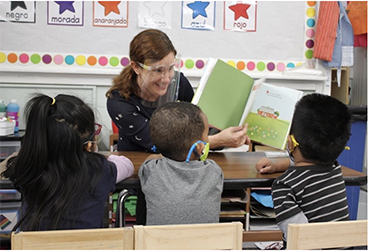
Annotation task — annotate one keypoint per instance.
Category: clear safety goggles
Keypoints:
(157, 72)
(160, 70)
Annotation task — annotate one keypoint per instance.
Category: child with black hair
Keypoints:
(64, 183)
(314, 190)
(182, 186)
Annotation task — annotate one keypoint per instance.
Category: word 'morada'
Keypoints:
(73, 20)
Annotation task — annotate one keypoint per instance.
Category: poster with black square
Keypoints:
(18, 11)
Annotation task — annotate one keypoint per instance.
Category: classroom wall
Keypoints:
(279, 41)
(279, 34)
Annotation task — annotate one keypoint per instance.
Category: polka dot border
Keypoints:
(116, 62)
(310, 25)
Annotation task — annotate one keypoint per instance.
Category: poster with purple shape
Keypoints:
(69, 13)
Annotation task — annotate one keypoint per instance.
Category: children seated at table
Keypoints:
(64, 183)
(314, 190)
(181, 186)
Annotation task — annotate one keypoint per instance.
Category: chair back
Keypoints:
(327, 235)
(86, 239)
(189, 236)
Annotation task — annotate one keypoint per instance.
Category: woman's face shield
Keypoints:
(160, 80)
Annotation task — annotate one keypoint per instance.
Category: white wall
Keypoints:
(280, 37)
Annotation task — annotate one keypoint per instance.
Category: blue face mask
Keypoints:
(204, 154)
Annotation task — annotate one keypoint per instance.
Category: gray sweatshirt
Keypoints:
(181, 192)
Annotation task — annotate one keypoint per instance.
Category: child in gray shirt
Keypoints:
(181, 186)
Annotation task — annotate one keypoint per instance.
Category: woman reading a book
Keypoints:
(150, 80)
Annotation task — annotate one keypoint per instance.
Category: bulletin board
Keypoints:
(279, 36)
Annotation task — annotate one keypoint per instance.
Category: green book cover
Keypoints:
(222, 93)
(229, 97)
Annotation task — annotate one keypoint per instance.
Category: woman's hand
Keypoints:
(230, 137)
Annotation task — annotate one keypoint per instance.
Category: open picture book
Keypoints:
(230, 97)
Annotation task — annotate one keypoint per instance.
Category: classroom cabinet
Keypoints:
(341, 92)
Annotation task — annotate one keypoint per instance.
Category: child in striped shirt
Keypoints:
(314, 190)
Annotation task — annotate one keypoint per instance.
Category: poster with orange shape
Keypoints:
(110, 13)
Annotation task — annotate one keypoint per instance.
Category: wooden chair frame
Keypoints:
(189, 236)
(87, 239)
(327, 235)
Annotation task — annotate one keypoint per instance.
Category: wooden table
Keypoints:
(238, 168)
(239, 173)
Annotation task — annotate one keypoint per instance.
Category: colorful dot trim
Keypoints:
(191, 64)
(116, 62)
(310, 25)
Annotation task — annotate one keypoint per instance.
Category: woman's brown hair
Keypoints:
(150, 44)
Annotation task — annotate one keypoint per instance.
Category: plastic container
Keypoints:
(6, 127)
(12, 112)
(2, 109)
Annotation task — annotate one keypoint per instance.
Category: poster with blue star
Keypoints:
(240, 16)
(65, 13)
(18, 11)
(110, 13)
(198, 15)
(155, 14)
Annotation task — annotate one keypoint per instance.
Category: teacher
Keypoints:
(149, 81)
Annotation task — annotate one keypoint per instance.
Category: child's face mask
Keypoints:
(204, 154)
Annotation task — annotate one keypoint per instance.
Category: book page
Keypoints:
(270, 117)
(251, 98)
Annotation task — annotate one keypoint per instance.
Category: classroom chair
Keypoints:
(327, 235)
(86, 239)
(120, 208)
(189, 236)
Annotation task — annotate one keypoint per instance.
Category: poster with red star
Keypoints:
(18, 11)
(198, 15)
(110, 13)
(240, 16)
(155, 14)
(65, 13)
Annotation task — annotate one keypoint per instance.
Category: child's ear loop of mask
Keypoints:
(295, 143)
(204, 154)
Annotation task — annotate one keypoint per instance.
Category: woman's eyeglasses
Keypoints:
(98, 128)
(160, 70)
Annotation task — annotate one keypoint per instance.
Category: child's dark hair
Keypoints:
(52, 170)
(174, 127)
(321, 126)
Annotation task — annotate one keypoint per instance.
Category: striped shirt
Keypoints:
(317, 191)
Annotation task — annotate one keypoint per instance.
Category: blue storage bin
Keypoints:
(354, 157)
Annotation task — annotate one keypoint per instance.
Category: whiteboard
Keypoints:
(279, 34)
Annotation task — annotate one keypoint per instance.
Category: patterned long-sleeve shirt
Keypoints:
(317, 191)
